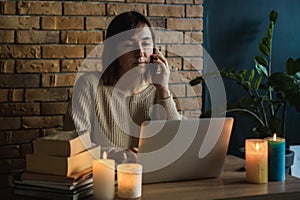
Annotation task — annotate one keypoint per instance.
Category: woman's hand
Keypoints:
(160, 77)
(122, 156)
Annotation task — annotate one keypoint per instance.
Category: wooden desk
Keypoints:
(231, 185)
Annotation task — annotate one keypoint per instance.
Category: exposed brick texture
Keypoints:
(63, 51)
(62, 23)
(8, 7)
(71, 65)
(19, 80)
(19, 22)
(194, 11)
(54, 108)
(115, 9)
(184, 24)
(16, 51)
(37, 36)
(146, 1)
(91, 8)
(48, 94)
(36, 66)
(44, 44)
(58, 80)
(42, 122)
(40, 8)
(11, 95)
(7, 36)
(81, 37)
(17, 109)
(94, 23)
(180, 1)
(166, 10)
(7, 66)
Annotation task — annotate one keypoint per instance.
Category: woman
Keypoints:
(132, 89)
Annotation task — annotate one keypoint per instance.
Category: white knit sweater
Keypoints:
(112, 118)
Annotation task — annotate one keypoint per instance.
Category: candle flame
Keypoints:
(257, 147)
(274, 137)
(104, 156)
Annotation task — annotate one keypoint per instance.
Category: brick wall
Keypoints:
(43, 44)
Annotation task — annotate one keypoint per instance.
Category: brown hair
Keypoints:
(123, 22)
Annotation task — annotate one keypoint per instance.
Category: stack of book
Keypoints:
(59, 168)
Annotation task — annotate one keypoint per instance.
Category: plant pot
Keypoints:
(289, 159)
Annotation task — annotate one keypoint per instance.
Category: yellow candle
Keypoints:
(129, 180)
(256, 161)
(104, 178)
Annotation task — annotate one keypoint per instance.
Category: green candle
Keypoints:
(276, 158)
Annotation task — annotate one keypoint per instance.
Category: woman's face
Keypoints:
(136, 50)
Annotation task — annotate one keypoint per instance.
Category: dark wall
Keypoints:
(233, 28)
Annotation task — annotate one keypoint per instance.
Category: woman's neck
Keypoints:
(141, 88)
(132, 86)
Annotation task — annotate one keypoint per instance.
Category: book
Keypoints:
(62, 143)
(58, 165)
(76, 177)
(49, 186)
(54, 186)
(50, 194)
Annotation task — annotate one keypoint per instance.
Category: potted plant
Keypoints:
(268, 93)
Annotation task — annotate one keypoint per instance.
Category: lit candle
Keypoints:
(104, 178)
(129, 180)
(256, 161)
(276, 158)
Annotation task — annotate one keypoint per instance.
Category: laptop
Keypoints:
(176, 150)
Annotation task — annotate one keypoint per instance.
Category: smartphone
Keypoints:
(152, 57)
(154, 67)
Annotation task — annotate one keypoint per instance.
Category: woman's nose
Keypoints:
(139, 51)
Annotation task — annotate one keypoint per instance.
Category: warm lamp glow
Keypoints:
(104, 156)
(257, 147)
(274, 137)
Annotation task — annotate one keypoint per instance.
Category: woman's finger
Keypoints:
(160, 56)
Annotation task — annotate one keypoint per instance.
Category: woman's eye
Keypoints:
(128, 44)
(146, 44)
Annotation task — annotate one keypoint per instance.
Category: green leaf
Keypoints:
(273, 16)
(296, 66)
(269, 32)
(292, 67)
(264, 49)
(294, 99)
(282, 82)
(263, 131)
(196, 81)
(280, 96)
(257, 82)
(243, 74)
(289, 66)
(275, 125)
(247, 85)
(261, 70)
(251, 75)
(260, 61)
(266, 41)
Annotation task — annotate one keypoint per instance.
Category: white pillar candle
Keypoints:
(104, 178)
(129, 180)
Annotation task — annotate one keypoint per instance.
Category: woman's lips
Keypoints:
(139, 63)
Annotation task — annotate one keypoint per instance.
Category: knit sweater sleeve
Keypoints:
(81, 110)
(170, 108)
